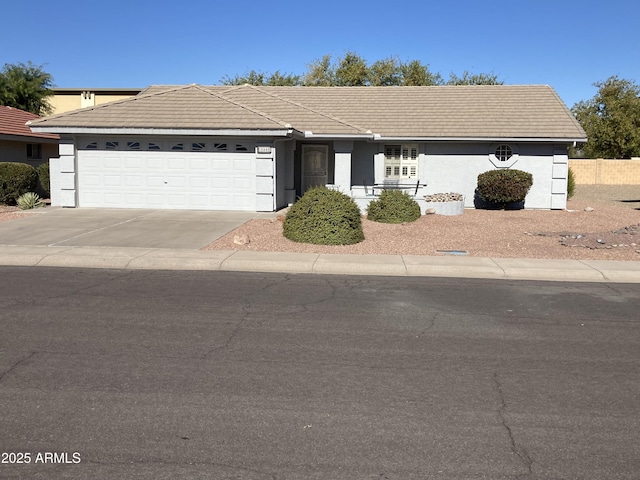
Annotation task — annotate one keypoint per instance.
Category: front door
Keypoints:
(314, 166)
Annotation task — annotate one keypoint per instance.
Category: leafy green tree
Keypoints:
(278, 79)
(254, 77)
(415, 74)
(385, 73)
(611, 119)
(320, 73)
(474, 79)
(352, 71)
(27, 87)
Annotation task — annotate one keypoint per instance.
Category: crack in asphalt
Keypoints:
(16, 365)
(246, 313)
(520, 451)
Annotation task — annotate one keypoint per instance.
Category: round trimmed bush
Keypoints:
(504, 186)
(16, 179)
(393, 206)
(324, 217)
(43, 176)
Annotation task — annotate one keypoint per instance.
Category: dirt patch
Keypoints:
(11, 213)
(607, 214)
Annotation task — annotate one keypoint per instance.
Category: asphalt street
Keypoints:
(142, 374)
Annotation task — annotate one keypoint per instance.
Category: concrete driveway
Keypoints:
(101, 227)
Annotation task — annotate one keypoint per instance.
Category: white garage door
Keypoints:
(167, 180)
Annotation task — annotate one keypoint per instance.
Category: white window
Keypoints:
(503, 152)
(401, 161)
(503, 155)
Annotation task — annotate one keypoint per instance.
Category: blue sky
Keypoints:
(567, 44)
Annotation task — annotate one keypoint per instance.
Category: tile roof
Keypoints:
(447, 112)
(13, 122)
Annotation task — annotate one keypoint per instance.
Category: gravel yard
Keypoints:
(608, 232)
(11, 213)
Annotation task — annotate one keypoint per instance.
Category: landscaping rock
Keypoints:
(241, 239)
(444, 197)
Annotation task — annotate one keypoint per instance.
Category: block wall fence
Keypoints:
(602, 171)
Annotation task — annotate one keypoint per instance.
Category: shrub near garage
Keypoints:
(324, 217)
(43, 176)
(16, 179)
(393, 206)
(503, 187)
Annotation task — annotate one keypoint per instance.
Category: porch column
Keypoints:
(63, 175)
(342, 168)
(289, 170)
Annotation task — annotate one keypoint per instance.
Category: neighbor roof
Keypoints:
(13, 123)
(437, 112)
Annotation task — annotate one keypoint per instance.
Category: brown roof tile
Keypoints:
(13, 122)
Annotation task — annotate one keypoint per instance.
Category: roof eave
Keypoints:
(286, 132)
(383, 138)
(28, 138)
(339, 136)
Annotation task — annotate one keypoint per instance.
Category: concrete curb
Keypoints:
(335, 264)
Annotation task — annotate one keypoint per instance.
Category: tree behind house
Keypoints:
(611, 120)
(27, 87)
(353, 70)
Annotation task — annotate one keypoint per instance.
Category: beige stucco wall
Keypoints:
(11, 151)
(68, 101)
(64, 103)
(605, 172)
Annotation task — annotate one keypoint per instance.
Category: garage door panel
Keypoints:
(134, 199)
(112, 162)
(177, 164)
(242, 183)
(154, 181)
(133, 180)
(134, 162)
(92, 180)
(154, 163)
(198, 182)
(242, 164)
(112, 180)
(176, 180)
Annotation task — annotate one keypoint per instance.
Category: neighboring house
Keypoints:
(18, 143)
(258, 148)
(68, 99)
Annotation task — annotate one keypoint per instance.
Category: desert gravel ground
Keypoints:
(588, 235)
(10, 213)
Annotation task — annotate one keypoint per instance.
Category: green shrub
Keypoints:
(393, 206)
(571, 184)
(504, 186)
(43, 176)
(324, 217)
(16, 179)
(28, 201)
